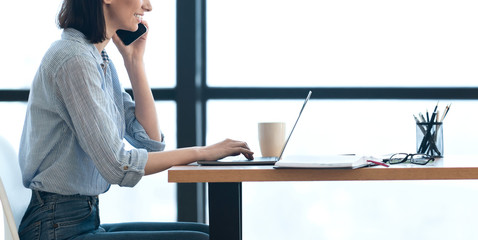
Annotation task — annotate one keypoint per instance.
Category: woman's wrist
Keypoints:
(136, 69)
(133, 63)
(200, 153)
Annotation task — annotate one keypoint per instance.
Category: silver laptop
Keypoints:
(259, 160)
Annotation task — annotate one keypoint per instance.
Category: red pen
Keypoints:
(377, 163)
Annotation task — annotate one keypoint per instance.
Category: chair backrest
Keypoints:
(14, 196)
(9, 226)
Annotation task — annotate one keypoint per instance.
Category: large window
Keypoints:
(342, 126)
(28, 29)
(38, 25)
(394, 45)
(351, 210)
(342, 43)
(290, 44)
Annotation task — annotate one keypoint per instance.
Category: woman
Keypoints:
(78, 115)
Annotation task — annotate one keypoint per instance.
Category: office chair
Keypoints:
(14, 196)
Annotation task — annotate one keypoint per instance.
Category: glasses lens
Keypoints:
(420, 159)
(398, 158)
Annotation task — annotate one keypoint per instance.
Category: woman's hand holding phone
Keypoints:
(128, 37)
(132, 44)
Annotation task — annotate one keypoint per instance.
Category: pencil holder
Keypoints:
(430, 138)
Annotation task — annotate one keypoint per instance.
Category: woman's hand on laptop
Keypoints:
(226, 148)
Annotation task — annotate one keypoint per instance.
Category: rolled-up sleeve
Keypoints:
(89, 108)
(135, 133)
(133, 170)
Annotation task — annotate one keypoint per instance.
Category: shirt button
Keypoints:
(125, 168)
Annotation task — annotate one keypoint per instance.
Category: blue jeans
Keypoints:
(53, 216)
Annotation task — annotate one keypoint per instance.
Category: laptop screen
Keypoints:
(295, 124)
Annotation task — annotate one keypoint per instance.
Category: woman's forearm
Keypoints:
(145, 109)
(160, 161)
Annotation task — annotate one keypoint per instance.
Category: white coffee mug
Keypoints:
(271, 138)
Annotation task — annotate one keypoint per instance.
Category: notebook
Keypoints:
(258, 160)
(327, 161)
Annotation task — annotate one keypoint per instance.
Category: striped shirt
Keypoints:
(76, 120)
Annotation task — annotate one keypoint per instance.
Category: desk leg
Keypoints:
(225, 211)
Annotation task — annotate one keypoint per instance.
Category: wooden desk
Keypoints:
(225, 183)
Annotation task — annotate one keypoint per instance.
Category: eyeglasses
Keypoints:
(421, 159)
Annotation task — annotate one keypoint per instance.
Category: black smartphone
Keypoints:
(129, 37)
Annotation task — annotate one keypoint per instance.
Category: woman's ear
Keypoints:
(107, 1)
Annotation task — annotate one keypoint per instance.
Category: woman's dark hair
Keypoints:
(85, 16)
